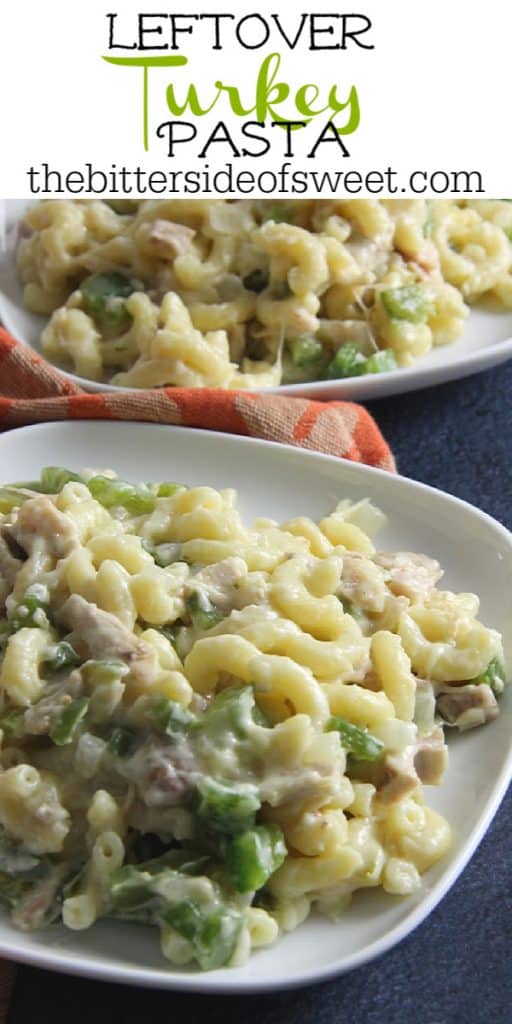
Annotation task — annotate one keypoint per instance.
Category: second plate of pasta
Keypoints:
(323, 298)
(254, 692)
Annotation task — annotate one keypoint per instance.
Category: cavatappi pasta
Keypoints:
(254, 293)
(214, 728)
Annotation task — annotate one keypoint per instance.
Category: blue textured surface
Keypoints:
(455, 968)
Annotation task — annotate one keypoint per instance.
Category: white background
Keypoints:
(434, 93)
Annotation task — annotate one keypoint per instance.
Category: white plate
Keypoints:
(282, 482)
(486, 341)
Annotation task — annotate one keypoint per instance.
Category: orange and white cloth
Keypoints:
(32, 391)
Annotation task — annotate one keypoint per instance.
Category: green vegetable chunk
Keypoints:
(494, 676)
(146, 893)
(33, 612)
(163, 554)
(52, 480)
(138, 501)
(103, 298)
(256, 281)
(121, 205)
(13, 888)
(305, 350)
(59, 656)
(406, 303)
(280, 213)
(9, 499)
(12, 724)
(212, 934)
(232, 710)
(380, 362)
(166, 490)
(122, 742)
(204, 614)
(95, 673)
(252, 857)
(349, 361)
(132, 895)
(358, 742)
(281, 290)
(65, 727)
(14, 857)
(164, 714)
(227, 807)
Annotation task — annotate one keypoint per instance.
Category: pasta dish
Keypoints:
(255, 293)
(211, 728)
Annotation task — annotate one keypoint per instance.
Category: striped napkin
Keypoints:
(32, 391)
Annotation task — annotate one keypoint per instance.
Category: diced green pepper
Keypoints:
(13, 888)
(380, 362)
(132, 895)
(406, 303)
(305, 350)
(33, 612)
(11, 723)
(232, 710)
(166, 490)
(351, 609)
(204, 614)
(9, 499)
(227, 807)
(163, 554)
(59, 656)
(121, 494)
(212, 934)
(281, 290)
(165, 715)
(122, 742)
(122, 206)
(256, 281)
(104, 298)
(95, 673)
(52, 480)
(66, 724)
(137, 893)
(280, 213)
(348, 362)
(494, 676)
(252, 857)
(14, 857)
(357, 741)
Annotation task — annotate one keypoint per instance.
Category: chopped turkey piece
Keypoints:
(171, 239)
(228, 585)
(431, 758)
(41, 716)
(423, 761)
(38, 519)
(362, 583)
(39, 907)
(467, 706)
(396, 776)
(413, 576)
(100, 635)
(164, 773)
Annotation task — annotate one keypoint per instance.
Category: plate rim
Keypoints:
(198, 983)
